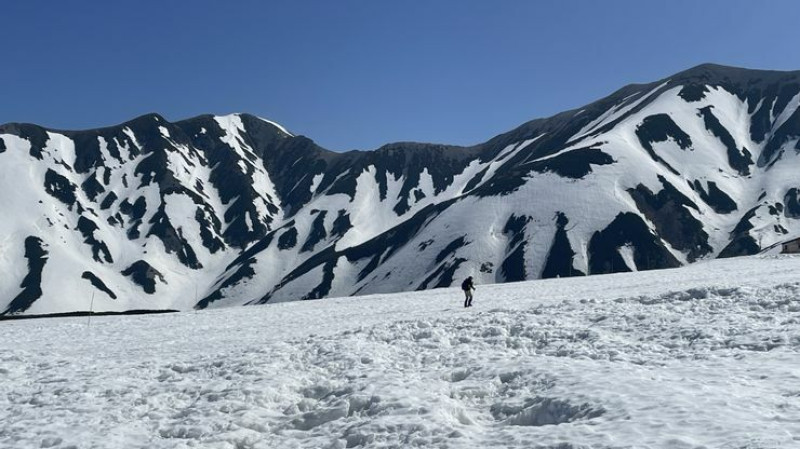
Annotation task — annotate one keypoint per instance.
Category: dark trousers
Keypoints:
(468, 298)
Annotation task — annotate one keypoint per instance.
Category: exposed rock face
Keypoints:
(231, 210)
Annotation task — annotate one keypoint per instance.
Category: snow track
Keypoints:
(701, 356)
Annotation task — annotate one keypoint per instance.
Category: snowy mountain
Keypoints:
(229, 210)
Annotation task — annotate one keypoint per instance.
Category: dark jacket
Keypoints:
(467, 284)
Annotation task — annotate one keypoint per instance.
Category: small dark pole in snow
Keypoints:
(91, 307)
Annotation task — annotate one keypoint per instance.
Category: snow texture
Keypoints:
(699, 356)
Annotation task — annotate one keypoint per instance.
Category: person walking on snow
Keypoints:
(468, 287)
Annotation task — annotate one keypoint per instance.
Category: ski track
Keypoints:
(704, 356)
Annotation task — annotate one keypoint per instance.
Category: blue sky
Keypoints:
(358, 74)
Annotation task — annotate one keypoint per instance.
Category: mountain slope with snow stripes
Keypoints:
(219, 211)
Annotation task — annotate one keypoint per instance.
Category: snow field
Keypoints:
(701, 356)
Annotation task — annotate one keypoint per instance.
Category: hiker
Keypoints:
(468, 287)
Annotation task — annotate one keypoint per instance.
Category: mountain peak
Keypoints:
(712, 73)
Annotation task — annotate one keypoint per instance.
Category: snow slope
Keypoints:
(704, 356)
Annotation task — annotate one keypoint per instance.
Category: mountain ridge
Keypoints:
(242, 211)
(691, 73)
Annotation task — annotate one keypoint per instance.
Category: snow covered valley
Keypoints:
(700, 356)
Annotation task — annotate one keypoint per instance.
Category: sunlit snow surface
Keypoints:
(701, 356)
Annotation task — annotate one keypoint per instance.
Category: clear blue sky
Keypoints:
(359, 74)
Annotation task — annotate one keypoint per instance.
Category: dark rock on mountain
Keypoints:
(513, 266)
(742, 243)
(134, 211)
(792, 201)
(92, 188)
(59, 188)
(668, 211)
(317, 233)
(98, 283)
(559, 262)
(144, 275)
(209, 230)
(87, 228)
(740, 160)
(37, 136)
(451, 248)
(443, 275)
(660, 128)
(32, 284)
(108, 201)
(573, 164)
(288, 239)
(627, 230)
(693, 92)
(786, 133)
(173, 239)
(342, 224)
(714, 197)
